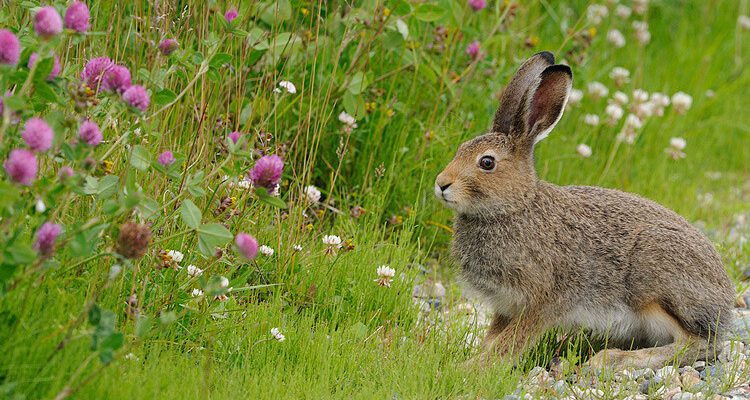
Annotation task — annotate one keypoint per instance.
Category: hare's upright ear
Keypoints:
(546, 102)
(514, 98)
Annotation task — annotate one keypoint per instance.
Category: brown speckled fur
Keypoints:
(576, 257)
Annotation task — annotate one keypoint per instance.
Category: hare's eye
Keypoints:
(487, 163)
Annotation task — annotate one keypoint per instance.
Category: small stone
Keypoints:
(712, 371)
(636, 397)
(646, 373)
(699, 366)
(649, 385)
(690, 378)
(730, 350)
(672, 393)
(742, 392)
(668, 375)
(682, 396)
(560, 387)
(511, 397)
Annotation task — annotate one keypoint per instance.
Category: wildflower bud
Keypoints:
(137, 97)
(89, 163)
(230, 15)
(46, 237)
(116, 79)
(94, 70)
(47, 22)
(37, 135)
(246, 245)
(55, 69)
(472, 50)
(478, 5)
(168, 46)
(10, 48)
(166, 158)
(21, 166)
(89, 133)
(65, 173)
(234, 137)
(133, 240)
(77, 17)
(266, 172)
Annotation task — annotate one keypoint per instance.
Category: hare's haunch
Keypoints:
(574, 257)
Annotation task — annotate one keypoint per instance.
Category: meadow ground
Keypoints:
(91, 317)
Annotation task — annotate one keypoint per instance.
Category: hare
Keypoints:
(576, 257)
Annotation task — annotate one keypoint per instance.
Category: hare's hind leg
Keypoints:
(682, 352)
(660, 327)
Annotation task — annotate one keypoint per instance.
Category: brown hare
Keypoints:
(576, 257)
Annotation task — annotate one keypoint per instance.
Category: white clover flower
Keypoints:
(640, 6)
(710, 93)
(596, 13)
(640, 96)
(591, 119)
(597, 90)
(659, 101)
(223, 282)
(175, 256)
(620, 75)
(678, 143)
(632, 121)
(347, 119)
(614, 113)
(131, 357)
(39, 206)
(332, 240)
(385, 275)
(583, 150)
(630, 129)
(620, 98)
(574, 98)
(642, 33)
(332, 243)
(289, 86)
(676, 147)
(681, 102)
(276, 333)
(312, 194)
(196, 293)
(744, 22)
(244, 183)
(297, 247)
(194, 271)
(266, 250)
(643, 110)
(623, 11)
(616, 37)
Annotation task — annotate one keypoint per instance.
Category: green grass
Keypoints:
(346, 336)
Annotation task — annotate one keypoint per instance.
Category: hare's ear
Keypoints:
(513, 99)
(546, 102)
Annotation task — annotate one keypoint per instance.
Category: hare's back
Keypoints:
(618, 208)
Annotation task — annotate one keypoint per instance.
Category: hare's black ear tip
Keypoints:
(547, 56)
(558, 68)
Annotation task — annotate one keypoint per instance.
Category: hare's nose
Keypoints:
(443, 187)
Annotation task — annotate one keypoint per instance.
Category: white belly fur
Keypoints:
(621, 324)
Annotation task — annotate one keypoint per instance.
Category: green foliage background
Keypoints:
(346, 336)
